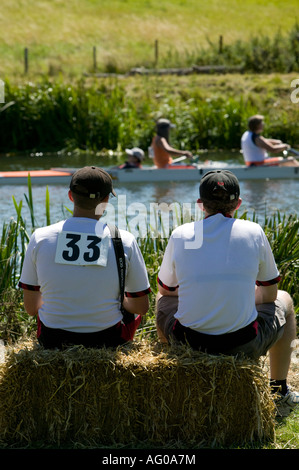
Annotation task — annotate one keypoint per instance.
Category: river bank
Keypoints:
(104, 114)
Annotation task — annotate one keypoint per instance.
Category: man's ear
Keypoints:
(70, 196)
(200, 204)
(239, 203)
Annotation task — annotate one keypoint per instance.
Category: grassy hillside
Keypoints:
(60, 35)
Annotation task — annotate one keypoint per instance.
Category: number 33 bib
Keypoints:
(82, 249)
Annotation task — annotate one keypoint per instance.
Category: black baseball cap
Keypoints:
(92, 182)
(219, 184)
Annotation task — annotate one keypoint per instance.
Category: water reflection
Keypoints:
(270, 196)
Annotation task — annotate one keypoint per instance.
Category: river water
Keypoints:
(138, 200)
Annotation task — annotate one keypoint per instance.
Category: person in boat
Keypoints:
(70, 275)
(161, 148)
(135, 157)
(218, 287)
(255, 147)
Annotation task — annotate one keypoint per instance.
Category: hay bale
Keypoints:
(138, 392)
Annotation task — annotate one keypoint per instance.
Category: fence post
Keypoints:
(26, 62)
(94, 54)
(156, 51)
(220, 44)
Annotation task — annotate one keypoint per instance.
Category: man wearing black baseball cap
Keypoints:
(220, 191)
(221, 296)
(70, 276)
(93, 183)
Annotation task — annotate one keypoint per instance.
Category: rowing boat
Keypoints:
(43, 177)
(195, 172)
(152, 174)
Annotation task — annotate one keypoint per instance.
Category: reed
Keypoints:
(13, 243)
(282, 232)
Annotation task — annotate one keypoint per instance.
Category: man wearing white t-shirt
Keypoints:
(218, 286)
(70, 276)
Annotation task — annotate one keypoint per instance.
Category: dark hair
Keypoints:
(85, 202)
(221, 204)
(163, 132)
(255, 121)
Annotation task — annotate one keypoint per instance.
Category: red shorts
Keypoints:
(269, 161)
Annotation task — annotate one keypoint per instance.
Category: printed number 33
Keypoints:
(74, 252)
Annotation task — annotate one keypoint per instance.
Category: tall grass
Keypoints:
(259, 54)
(282, 232)
(13, 244)
(52, 116)
(112, 115)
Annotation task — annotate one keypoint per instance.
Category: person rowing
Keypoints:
(255, 147)
(162, 150)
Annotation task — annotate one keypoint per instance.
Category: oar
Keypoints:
(285, 152)
(295, 152)
(179, 159)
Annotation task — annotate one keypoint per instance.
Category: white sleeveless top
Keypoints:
(251, 152)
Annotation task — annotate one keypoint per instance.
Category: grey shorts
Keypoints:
(271, 320)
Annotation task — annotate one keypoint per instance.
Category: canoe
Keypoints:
(42, 177)
(195, 173)
(152, 174)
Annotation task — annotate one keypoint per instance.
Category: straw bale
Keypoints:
(136, 393)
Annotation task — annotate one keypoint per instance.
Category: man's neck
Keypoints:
(230, 215)
(88, 214)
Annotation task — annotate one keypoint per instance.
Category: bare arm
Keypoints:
(172, 151)
(265, 294)
(163, 291)
(270, 146)
(136, 305)
(32, 301)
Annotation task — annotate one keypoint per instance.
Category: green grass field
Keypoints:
(60, 35)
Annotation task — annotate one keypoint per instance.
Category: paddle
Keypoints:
(179, 159)
(295, 152)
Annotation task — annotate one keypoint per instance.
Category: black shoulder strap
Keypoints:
(121, 266)
(120, 258)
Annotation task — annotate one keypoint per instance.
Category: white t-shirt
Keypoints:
(81, 297)
(217, 281)
(251, 152)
